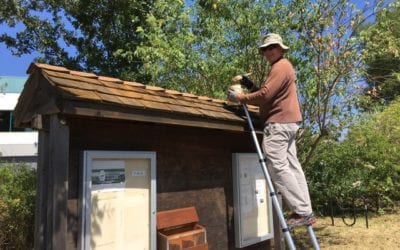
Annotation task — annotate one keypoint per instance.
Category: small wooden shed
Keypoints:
(165, 148)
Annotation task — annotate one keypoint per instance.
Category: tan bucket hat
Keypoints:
(272, 38)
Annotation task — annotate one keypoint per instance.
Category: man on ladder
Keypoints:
(280, 112)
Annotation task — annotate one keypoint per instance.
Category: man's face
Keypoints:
(272, 53)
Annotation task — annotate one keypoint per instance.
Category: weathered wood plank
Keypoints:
(59, 164)
(41, 216)
(26, 99)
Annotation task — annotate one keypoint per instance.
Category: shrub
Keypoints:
(17, 205)
(364, 166)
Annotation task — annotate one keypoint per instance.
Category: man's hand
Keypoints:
(233, 95)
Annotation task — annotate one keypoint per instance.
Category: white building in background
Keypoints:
(16, 144)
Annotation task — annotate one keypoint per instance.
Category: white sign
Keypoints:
(139, 173)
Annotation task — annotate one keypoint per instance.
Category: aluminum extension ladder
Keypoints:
(275, 201)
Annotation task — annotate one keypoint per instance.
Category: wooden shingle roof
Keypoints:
(53, 89)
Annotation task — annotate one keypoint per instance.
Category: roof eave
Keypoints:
(77, 108)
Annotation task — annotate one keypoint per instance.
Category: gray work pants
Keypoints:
(286, 173)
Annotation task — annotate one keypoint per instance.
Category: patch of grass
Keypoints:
(383, 233)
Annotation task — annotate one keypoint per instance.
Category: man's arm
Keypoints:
(268, 90)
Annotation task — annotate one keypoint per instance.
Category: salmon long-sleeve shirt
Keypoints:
(277, 97)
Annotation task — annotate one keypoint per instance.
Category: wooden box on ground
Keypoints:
(178, 229)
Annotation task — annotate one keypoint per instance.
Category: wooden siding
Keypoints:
(193, 169)
(52, 200)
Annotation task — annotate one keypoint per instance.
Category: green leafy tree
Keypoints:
(17, 206)
(218, 39)
(332, 176)
(197, 46)
(327, 54)
(365, 165)
(382, 55)
(90, 35)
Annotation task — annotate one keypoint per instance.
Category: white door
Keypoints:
(120, 200)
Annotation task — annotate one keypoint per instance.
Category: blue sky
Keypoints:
(11, 65)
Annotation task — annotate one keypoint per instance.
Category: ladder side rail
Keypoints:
(313, 238)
